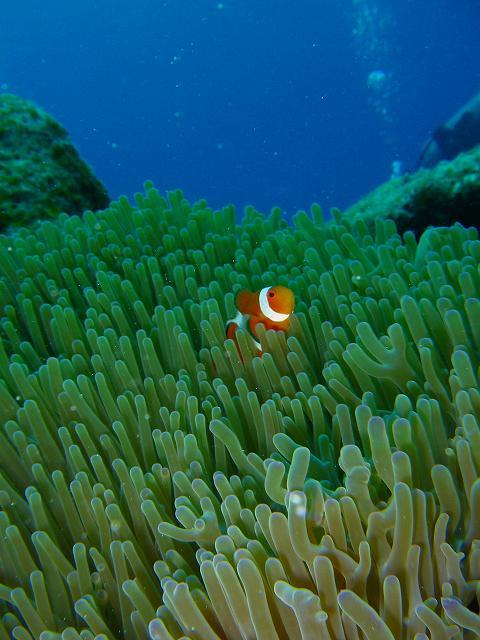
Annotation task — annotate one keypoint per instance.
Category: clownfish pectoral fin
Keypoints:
(231, 329)
(232, 325)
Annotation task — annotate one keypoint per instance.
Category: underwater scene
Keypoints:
(240, 320)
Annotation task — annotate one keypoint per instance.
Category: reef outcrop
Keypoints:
(460, 133)
(443, 195)
(42, 173)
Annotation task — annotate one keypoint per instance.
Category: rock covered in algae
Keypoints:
(42, 173)
(154, 485)
(443, 195)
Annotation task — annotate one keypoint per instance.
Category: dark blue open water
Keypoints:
(246, 101)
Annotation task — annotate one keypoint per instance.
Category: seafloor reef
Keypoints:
(155, 484)
(448, 193)
(42, 174)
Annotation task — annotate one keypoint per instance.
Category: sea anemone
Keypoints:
(155, 483)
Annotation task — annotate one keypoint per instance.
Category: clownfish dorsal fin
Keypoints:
(247, 302)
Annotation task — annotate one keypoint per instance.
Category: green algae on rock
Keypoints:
(448, 193)
(42, 174)
(156, 486)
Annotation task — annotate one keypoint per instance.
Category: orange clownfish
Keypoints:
(272, 306)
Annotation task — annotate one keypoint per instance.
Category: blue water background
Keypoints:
(244, 101)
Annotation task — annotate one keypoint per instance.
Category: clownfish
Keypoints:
(272, 306)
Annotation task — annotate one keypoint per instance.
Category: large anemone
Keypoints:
(155, 483)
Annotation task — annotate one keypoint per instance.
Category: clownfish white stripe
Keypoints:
(267, 310)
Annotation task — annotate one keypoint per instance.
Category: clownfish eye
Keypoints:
(271, 294)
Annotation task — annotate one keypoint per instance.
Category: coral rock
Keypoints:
(42, 172)
(448, 193)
